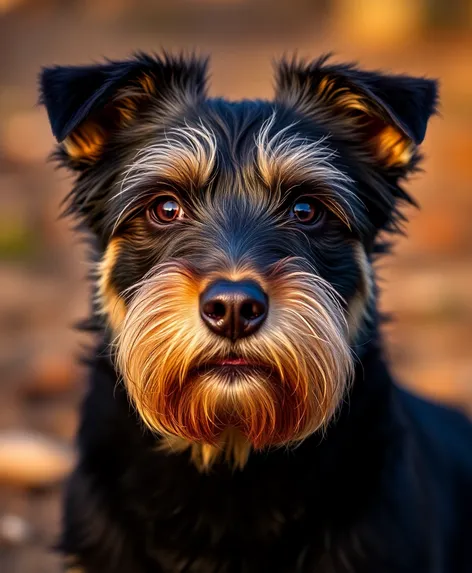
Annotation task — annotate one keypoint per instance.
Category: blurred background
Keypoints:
(428, 283)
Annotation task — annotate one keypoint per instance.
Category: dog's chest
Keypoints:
(195, 525)
(286, 554)
(211, 526)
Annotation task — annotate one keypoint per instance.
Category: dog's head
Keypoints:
(235, 239)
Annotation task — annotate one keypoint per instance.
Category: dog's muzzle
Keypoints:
(269, 358)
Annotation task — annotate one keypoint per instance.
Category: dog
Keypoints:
(241, 417)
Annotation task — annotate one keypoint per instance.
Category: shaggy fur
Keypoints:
(256, 429)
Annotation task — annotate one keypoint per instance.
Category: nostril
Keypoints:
(251, 310)
(214, 309)
(233, 309)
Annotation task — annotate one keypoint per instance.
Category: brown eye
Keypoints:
(165, 210)
(307, 211)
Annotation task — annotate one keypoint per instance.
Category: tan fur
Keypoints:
(389, 146)
(303, 345)
(344, 98)
(85, 142)
(234, 273)
(350, 112)
(191, 157)
(71, 565)
(147, 84)
(283, 160)
(111, 303)
(393, 148)
(187, 157)
(358, 304)
(233, 447)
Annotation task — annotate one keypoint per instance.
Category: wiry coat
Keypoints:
(387, 490)
(346, 472)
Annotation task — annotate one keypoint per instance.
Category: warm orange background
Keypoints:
(428, 284)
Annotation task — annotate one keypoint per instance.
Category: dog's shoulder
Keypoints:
(438, 455)
(443, 433)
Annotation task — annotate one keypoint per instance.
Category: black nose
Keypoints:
(233, 309)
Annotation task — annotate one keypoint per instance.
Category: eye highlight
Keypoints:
(307, 211)
(165, 210)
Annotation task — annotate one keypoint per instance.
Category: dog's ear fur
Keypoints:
(384, 115)
(86, 105)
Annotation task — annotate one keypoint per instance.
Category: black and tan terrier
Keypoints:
(241, 417)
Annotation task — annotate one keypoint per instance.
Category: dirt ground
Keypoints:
(428, 284)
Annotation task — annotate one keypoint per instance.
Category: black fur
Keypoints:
(408, 101)
(388, 489)
(72, 93)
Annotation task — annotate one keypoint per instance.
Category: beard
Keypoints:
(276, 387)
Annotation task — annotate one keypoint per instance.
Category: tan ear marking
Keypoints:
(353, 113)
(147, 83)
(85, 142)
(392, 147)
(340, 96)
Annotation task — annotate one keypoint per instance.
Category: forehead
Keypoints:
(238, 127)
(257, 138)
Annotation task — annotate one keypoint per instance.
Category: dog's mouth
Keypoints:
(233, 367)
(233, 361)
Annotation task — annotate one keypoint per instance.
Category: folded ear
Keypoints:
(86, 105)
(385, 115)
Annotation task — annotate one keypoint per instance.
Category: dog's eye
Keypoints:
(307, 211)
(165, 210)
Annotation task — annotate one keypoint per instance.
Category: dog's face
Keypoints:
(235, 239)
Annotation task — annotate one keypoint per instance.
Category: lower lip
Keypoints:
(232, 369)
(229, 365)
(233, 362)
